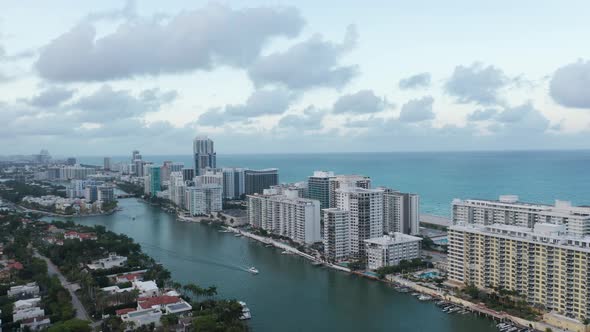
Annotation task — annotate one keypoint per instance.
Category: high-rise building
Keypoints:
(204, 199)
(106, 193)
(75, 172)
(336, 234)
(510, 211)
(188, 174)
(176, 167)
(258, 180)
(545, 264)
(154, 175)
(71, 161)
(91, 193)
(204, 154)
(107, 163)
(401, 212)
(234, 185)
(139, 167)
(365, 207)
(177, 189)
(389, 250)
(286, 215)
(321, 186)
(209, 177)
(165, 171)
(135, 155)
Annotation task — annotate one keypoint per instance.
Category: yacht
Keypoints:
(253, 270)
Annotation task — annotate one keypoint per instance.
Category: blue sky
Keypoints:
(276, 76)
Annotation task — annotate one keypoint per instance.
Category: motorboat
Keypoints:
(253, 270)
(245, 311)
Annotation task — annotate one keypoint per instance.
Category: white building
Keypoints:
(22, 291)
(401, 212)
(26, 313)
(108, 263)
(336, 234)
(177, 189)
(510, 211)
(204, 199)
(234, 185)
(365, 208)
(389, 250)
(287, 215)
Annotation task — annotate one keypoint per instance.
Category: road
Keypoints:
(53, 270)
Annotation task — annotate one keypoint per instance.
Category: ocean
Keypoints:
(438, 177)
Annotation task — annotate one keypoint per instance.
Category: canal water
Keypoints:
(289, 294)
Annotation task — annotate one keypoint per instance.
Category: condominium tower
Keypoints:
(510, 211)
(204, 154)
(401, 212)
(258, 180)
(544, 264)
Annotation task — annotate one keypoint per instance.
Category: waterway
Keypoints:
(289, 294)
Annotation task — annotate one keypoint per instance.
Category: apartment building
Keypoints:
(546, 265)
(336, 234)
(510, 211)
(389, 250)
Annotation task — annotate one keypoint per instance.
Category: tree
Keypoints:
(72, 325)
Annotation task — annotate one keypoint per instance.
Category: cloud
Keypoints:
(361, 102)
(482, 114)
(106, 104)
(200, 39)
(570, 85)
(260, 102)
(417, 110)
(311, 63)
(311, 119)
(51, 97)
(421, 80)
(128, 12)
(476, 84)
(520, 120)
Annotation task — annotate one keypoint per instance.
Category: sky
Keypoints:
(103, 78)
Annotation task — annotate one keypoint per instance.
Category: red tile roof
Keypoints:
(124, 311)
(15, 266)
(148, 302)
(130, 276)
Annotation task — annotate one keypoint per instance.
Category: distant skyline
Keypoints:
(87, 78)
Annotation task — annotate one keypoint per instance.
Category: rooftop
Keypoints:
(393, 238)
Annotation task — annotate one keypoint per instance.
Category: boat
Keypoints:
(316, 263)
(285, 252)
(245, 311)
(253, 270)
(238, 235)
(424, 297)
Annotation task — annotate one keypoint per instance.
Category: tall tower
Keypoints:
(204, 154)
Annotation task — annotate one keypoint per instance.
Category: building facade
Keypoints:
(544, 264)
(391, 249)
(234, 183)
(204, 199)
(336, 234)
(365, 207)
(401, 212)
(509, 210)
(258, 180)
(287, 215)
(154, 180)
(204, 155)
(321, 186)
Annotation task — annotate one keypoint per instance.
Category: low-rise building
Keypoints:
(24, 291)
(110, 262)
(389, 250)
(73, 235)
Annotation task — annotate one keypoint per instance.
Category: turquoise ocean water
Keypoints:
(536, 176)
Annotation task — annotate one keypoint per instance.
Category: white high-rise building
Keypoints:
(365, 207)
(234, 185)
(287, 215)
(401, 212)
(209, 177)
(336, 234)
(204, 199)
(389, 250)
(177, 189)
(509, 210)
(106, 193)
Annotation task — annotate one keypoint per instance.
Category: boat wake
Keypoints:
(178, 255)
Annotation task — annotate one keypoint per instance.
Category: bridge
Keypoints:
(125, 195)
